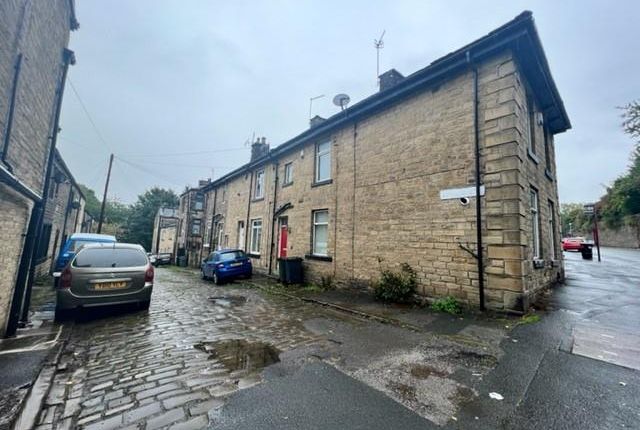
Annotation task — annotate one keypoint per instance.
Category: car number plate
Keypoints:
(235, 264)
(110, 285)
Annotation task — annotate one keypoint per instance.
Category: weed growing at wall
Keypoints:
(447, 304)
(396, 286)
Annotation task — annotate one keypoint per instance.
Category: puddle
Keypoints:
(240, 354)
(472, 359)
(228, 301)
(422, 371)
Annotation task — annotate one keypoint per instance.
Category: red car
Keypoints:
(572, 243)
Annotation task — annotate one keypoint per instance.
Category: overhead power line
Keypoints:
(177, 154)
(86, 111)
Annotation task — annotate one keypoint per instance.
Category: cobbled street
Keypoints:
(135, 368)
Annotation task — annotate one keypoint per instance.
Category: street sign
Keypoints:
(589, 209)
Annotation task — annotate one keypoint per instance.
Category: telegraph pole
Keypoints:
(104, 196)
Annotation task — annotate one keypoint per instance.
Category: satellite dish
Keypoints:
(341, 100)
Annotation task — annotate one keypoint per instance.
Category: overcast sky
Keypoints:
(165, 81)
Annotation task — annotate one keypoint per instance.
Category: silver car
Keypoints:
(105, 274)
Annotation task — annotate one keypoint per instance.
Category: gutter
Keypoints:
(10, 179)
(476, 139)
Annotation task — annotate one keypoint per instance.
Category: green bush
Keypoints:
(447, 304)
(397, 286)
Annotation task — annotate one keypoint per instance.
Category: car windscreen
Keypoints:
(228, 256)
(110, 257)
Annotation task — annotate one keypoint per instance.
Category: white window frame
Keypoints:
(322, 154)
(241, 234)
(552, 230)
(315, 224)
(195, 222)
(256, 236)
(259, 185)
(288, 173)
(535, 223)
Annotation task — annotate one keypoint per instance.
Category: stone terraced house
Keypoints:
(396, 178)
(34, 58)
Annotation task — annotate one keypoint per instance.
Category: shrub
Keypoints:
(397, 286)
(447, 304)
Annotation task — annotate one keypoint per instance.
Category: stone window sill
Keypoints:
(533, 156)
(318, 257)
(288, 184)
(258, 199)
(548, 174)
(321, 183)
(252, 255)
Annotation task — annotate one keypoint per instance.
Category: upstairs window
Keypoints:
(198, 201)
(323, 162)
(288, 174)
(259, 188)
(531, 110)
(196, 226)
(547, 149)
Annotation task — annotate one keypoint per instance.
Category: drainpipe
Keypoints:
(476, 138)
(66, 216)
(273, 220)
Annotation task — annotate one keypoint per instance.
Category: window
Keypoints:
(198, 202)
(552, 231)
(323, 162)
(240, 235)
(320, 233)
(196, 226)
(256, 236)
(547, 150)
(259, 188)
(288, 174)
(220, 235)
(535, 223)
(532, 123)
(110, 257)
(224, 194)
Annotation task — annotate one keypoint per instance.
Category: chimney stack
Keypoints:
(390, 78)
(316, 121)
(259, 148)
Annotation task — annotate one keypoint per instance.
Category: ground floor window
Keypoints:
(320, 234)
(256, 236)
(535, 223)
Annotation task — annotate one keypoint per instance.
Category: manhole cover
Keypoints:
(240, 354)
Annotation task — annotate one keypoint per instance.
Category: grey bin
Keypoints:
(182, 261)
(290, 270)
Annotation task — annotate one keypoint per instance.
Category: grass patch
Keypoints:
(529, 319)
(448, 305)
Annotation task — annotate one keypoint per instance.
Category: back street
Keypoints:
(197, 360)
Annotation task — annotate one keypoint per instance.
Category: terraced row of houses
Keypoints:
(450, 169)
(40, 202)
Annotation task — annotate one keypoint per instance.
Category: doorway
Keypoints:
(240, 235)
(283, 230)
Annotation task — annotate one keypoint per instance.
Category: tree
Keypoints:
(92, 204)
(139, 227)
(631, 115)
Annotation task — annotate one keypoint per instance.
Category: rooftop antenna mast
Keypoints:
(311, 103)
(379, 44)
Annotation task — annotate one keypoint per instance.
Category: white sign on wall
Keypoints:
(458, 193)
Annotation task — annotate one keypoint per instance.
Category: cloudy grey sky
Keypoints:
(163, 78)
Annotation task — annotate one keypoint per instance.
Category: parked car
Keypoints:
(163, 258)
(75, 242)
(152, 258)
(225, 265)
(572, 243)
(105, 274)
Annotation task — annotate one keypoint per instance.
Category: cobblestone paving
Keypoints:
(149, 370)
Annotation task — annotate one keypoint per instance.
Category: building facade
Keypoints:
(33, 61)
(63, 215)
(165, 231)
(192, 225)
(450, 170)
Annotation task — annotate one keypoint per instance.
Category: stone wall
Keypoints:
(39, 31)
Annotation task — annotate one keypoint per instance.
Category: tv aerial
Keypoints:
(341, 100)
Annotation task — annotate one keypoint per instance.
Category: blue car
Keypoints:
(226, 265)
(73, 244)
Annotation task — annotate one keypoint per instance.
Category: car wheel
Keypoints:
(63, 314)
(216, 279)
(144, 305)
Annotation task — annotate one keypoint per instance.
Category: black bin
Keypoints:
(587, 252)
(290, 270)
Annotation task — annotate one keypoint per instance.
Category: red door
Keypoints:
(283, 241)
